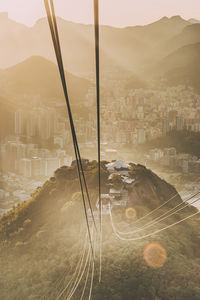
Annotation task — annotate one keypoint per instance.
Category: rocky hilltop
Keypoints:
(42, 239)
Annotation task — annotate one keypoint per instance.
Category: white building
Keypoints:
(141, 136)
(19, 122)
(25, 167)
(116, 165)
(51, 165)
(31, 125)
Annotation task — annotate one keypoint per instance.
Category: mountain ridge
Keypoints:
(123, 47)
(123, 50)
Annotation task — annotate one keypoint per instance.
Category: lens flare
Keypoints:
(130, 213)
(154, 255)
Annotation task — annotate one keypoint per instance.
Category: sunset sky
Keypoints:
(113, 12)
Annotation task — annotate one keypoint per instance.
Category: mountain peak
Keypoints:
(173, 19)
(33, 62)
(59, 19)
(39, 76)
(37, 59)
(164, 19)
(177, 17)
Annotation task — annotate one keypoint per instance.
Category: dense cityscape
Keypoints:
(41, 138)
(99, 150)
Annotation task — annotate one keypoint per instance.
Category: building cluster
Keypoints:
(127, 116)
(181, 110)
(35, 123)
(31, 161)
(145, 114)
(52, 125)
(16, 189)
(116, 197)
(41, 138)
(183, 162)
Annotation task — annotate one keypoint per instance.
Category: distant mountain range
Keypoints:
(137, 50)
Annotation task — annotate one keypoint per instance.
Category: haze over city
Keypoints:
(99, 198)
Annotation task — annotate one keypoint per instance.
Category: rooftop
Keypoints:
(117, 165)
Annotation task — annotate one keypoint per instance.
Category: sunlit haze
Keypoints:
(113, 12)
(100, 150)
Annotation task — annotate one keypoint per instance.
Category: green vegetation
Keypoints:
(42, 239)
(183, 141)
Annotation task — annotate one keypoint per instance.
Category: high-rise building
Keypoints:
(140, 112)
(19, 122)
(25, 168)
(31, 125)
(45, 125)
(11, 155)
(179, 123)
(36, 166)
(141, 136)
(172, 115)
(165, 126)
(156, 154)
(44, 129)
(51, 165)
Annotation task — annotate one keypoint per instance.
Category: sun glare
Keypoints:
(154, 255)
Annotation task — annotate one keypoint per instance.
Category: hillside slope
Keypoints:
(38, 76)
(181, 67)
(43, 239)
(189, 35)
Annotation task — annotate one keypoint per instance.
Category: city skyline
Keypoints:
(114, 13)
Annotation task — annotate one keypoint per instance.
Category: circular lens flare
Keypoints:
(130, 213)
(154, 255)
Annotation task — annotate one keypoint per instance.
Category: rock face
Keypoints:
(42, 237)
(151, 191)
(142, 186)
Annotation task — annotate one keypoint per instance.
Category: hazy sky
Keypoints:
(112, 12)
